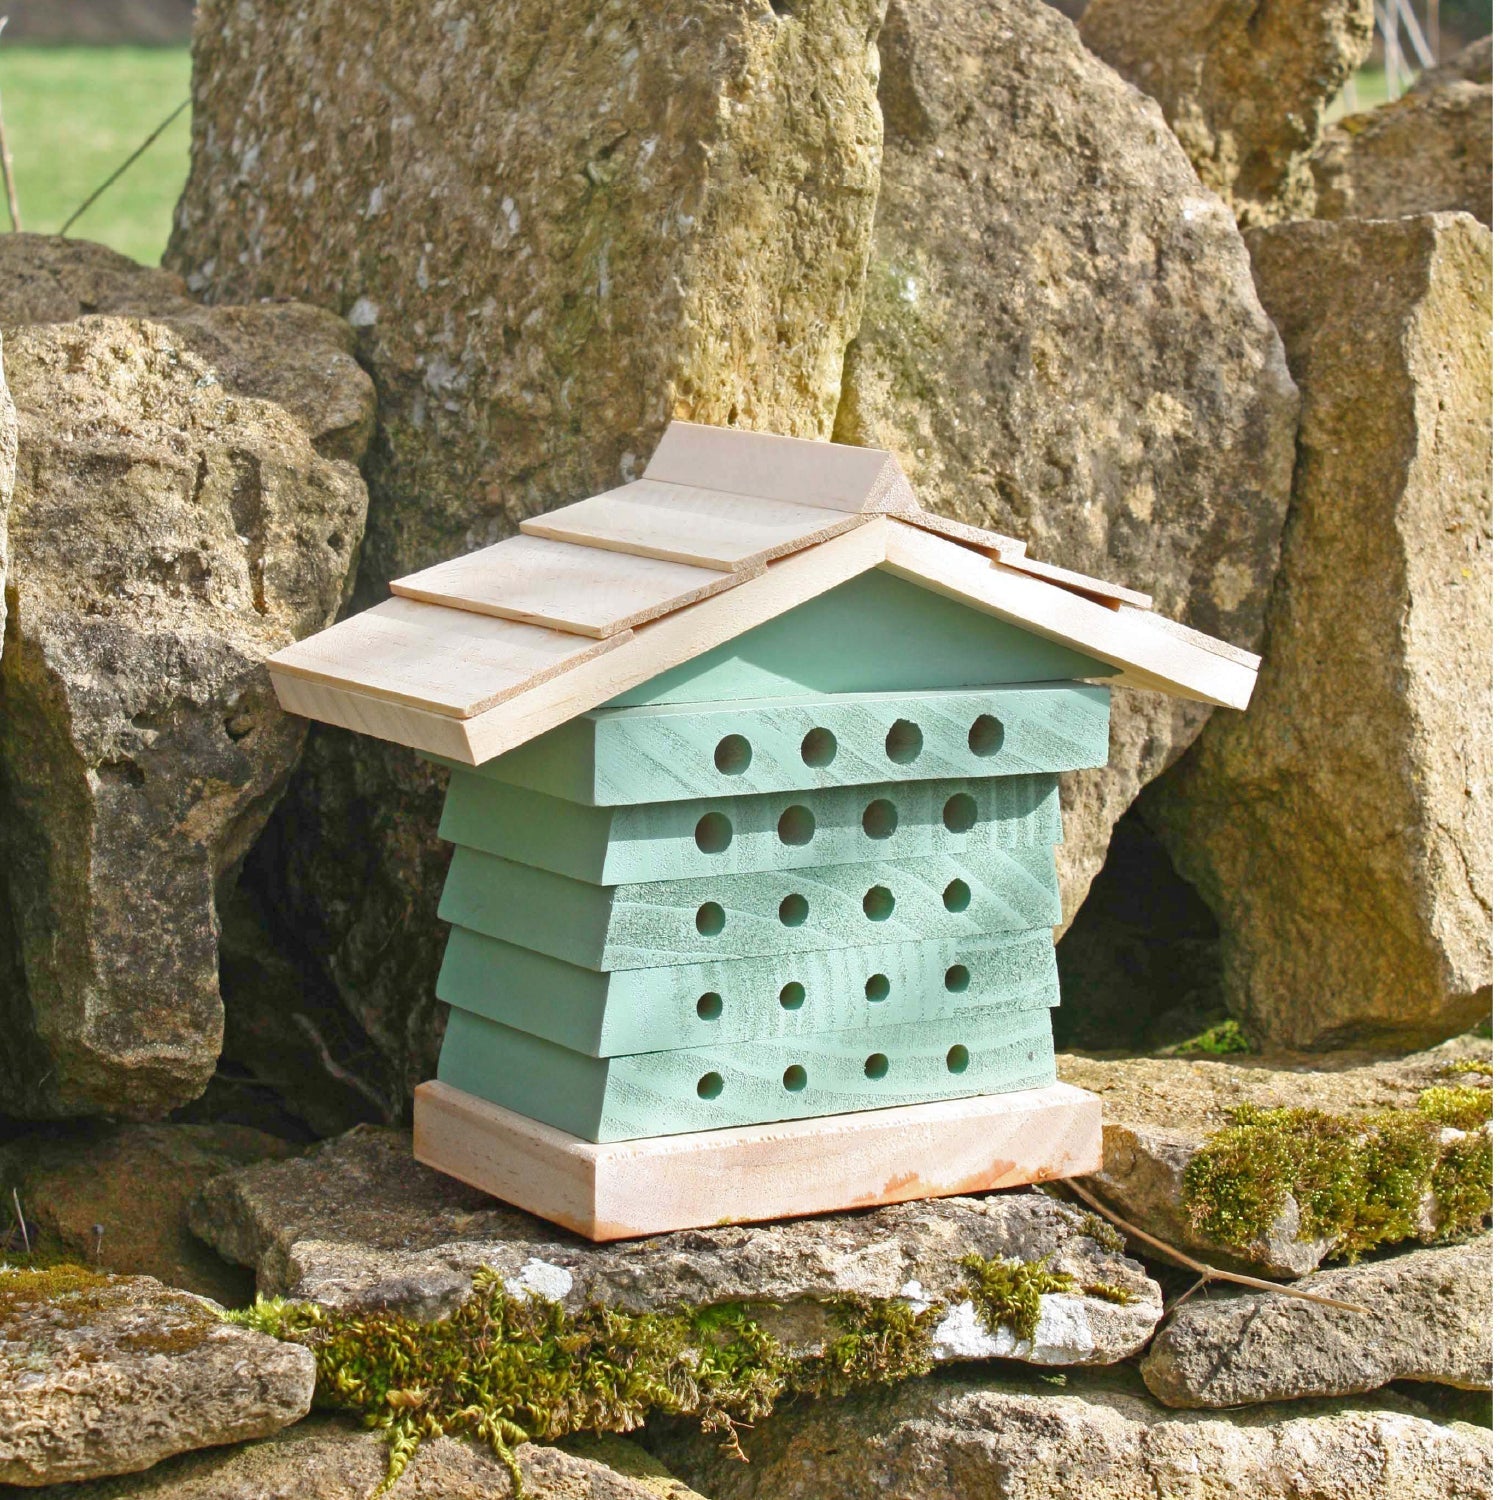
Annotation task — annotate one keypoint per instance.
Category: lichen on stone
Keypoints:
(1357, 1182)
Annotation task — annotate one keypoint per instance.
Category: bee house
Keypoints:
(754, 802)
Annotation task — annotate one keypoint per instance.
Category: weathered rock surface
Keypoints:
(117, 1198)
(1340, 828)
(168, 533)
(1428, 1318)
(1159, 1111)
(7, 485)
(1430, 151)
(973, 1438)
(1061, 340)
(335, 1461)
(106, 1375)
(1244, 83)
(1475, 64)
(555, 230)
(359, 1224)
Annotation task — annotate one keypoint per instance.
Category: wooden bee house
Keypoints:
(754, 799)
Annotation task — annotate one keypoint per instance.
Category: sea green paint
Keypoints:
(614, 757)
(659, 923)
(785, 995)
(876, 633)
(738, 835)
(746, 1083)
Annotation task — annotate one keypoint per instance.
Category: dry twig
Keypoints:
(121, 170)
(1206, 1273)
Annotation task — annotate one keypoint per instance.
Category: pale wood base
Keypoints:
(755, 1172)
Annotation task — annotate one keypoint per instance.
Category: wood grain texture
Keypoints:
(681, 523)
(797, 911)
(1078, 583)
(736, 1000)
(833, 475)
(759, 1172)
(993, 544)
(741, 835)
(582, 590)
(1129, 639)
(446, 661)
(746, 1083)
(657, 754)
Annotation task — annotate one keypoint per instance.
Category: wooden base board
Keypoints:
(755, 1172)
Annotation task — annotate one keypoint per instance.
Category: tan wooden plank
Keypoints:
(758, 1172)
(994, 544)
(593, 678)
(448, 661)
(1079, 583)
(582, 590)
(1205, 642)
(835, 476)
(679, 523)
(1147, 656)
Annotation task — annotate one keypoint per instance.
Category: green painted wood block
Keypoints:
(746, 1083)
(611, 757)
(788, 995)
(737, 835)
(664, 922)
(876, 633)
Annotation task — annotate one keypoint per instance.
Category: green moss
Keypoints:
(1223, 1040)
(880, 1341)
(1102, 1232)
(1109, 1291)
(1457, 1107)
(1472, 1067)
(1008, 1293)
(1358, 1182)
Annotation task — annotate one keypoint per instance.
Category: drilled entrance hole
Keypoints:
(792, 995)
(877, 987)
(732, 755)
(958, 1059)
(903, 742)
(710, 1006)
(793, 910)
(880, 819)
(819, 746)
(710, 919)
(794, 1080)
(713, 833)
(796, 825)
(710, 1086)
(986, 735)
(960, 813)
(877, 1065)
(879, 903)
(956, 980)
(955, 895)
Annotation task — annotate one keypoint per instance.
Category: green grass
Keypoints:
(72, 115)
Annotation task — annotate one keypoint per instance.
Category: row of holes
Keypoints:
(796, 826)
(794, 1080)
(879, 903)
(903, 744)
(793, 994)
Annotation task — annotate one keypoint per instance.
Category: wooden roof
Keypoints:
(725, 531)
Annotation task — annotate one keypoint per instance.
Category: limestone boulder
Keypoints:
(1475, 64)
(554, 230)
(105, 1375)
(337, 1461)
(1061, 340)
(1340, 828)
(1427, 1316)
(7, 484)
(1430, 151)
(974, 1437)
(168, 533)
(359, 1224)
(1244, 83)
(116, 1198)
(1160, 1111)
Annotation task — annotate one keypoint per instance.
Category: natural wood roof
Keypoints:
(725, 531)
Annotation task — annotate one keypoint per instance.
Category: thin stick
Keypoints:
(121, 170)
(15, 1197)
(1209, 1273)
(7, 167)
